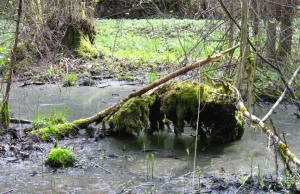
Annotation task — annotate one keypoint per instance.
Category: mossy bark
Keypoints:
(79, 39)
(4, 115)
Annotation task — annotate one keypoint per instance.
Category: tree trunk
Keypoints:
(286, 29)
(254, 14)
(271, 30)
(4, 117)
(244, 43)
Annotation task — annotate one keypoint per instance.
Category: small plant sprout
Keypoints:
(102, 163)
(147, 161)
(42, 166)
(243, 180)
(251, 164)
(144, 148)
(53, 184)
(151, 76)
(124, 148)
(188, 156)
(154, 189)
(260, 178)
(153, 160)
(199, 177)
(70, 79)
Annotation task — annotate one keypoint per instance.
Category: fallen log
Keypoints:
(64, 129)
(99, 116)
(175, 104)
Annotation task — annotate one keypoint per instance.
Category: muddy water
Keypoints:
(118, 165)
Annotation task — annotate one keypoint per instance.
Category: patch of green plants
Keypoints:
(199, 171)
(42, 120)
(152, 41)
(60, 158)
(70, 79)
(151, 76)
(260, 178)
(54, 124)
(188, 157)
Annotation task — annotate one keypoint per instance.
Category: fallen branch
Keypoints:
(65, 129)
(111, 110)
(281, 145)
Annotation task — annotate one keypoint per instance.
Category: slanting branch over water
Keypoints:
(111, 110)
(282, 147)
(66, 128)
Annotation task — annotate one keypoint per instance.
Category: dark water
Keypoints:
(127, 170)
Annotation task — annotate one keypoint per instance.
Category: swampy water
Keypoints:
(118, 164)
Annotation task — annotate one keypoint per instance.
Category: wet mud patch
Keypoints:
(119, 165)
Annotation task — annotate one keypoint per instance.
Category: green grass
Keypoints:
(70, 79)
(157, 40)
(42, 120)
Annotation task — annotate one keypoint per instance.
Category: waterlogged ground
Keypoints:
(119, 165)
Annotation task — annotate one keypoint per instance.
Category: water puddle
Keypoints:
(118, 164)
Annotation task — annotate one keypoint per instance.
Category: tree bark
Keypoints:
(271, 30)
(286, 29)
(4, 117)
(243, 47)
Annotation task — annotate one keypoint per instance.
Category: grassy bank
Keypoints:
(166, 41)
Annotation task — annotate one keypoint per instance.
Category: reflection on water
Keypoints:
(124, 157)
(80, 101)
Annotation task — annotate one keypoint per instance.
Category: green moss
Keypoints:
(43, 121)
(85, 49)
(58, 131)
(59, 157)
(133, 116)
(219, 117)
(297, 94)
(80, 43)
(4, 114)
(80, 122)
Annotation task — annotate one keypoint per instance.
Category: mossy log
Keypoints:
(177, 102)
(83, 123)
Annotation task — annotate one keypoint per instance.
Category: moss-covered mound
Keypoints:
(133, 116)
(177, 102)
(79, 38)
(59, 157)
(56, 131)
(219, 119)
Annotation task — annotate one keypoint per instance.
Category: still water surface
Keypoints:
(126, 170)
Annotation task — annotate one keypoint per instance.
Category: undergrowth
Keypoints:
(41, 120)
(157, 40)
